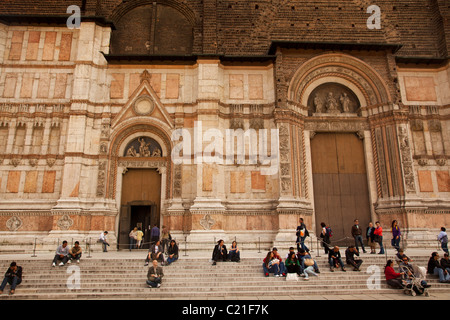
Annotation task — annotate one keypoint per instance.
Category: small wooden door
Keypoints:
(341, 193)
(140, 203)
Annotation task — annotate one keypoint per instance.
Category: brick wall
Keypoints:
(238, 27)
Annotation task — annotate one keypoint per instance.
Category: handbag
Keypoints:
(309, 262)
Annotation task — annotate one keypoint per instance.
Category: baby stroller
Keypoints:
(415, 285)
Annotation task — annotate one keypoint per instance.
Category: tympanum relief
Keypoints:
(332, 98)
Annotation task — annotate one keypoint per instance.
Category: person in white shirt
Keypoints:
(443, 238)
(62, 253)
(155, 253)
(103, 240)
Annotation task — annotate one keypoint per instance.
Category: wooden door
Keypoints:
(341, 193)
(141, 200)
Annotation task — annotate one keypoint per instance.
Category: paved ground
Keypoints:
(140, 254)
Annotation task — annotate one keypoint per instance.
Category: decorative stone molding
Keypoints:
(15, 161)
(33, 162)
(422, 161)
(406, 159)
(144, 105)
(441, 160)
(65, 222)
(14, 223)
(360, 134)
(51, 162)
(142, 163)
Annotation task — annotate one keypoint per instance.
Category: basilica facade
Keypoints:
(223, 119)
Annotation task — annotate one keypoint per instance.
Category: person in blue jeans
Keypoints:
(302, 233)
(434, 267)
(271, 265)
(395, 242)
(443, 239)
(172, 252)
(335, 259)
(233, 253)
(357, 235)
(13, 276)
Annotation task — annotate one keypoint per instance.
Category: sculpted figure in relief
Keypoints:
(332, 106)
(345, 102)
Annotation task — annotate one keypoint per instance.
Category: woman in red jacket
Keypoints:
(378, 233)
(393, 278)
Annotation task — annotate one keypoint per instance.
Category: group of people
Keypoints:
(300, 263)
(407, 270)
(137, 236)
(220, 252)
(66, 255)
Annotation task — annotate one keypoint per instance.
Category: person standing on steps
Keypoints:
(325, 236)
(395, 242)
(370, 238)
(154, 234)
(378, 236)
(139, 237)
(301, 234)
(443, 239)
(132, 236)
(357, 235)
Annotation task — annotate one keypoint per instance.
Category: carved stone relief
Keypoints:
(64, 223)
(285, 166)
(177, 181)
(207, 222)
(14, 223)
(406, 159)
(143, 147)
(332, 98)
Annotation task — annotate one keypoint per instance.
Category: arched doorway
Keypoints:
(142, 181)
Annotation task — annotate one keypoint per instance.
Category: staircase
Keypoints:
(190, 278)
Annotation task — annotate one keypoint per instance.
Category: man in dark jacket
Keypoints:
(220, 252)
(334, 258)
(434, 267)
(154, 275)
(357, 235)
(13, 276)
(445, 262)
(350, 258)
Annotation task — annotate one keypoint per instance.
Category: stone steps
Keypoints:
(191, 278)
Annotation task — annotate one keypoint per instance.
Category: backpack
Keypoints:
(329, 232)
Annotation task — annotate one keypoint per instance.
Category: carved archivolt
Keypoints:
(341, 66)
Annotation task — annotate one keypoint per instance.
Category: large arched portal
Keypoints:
(339, 91)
